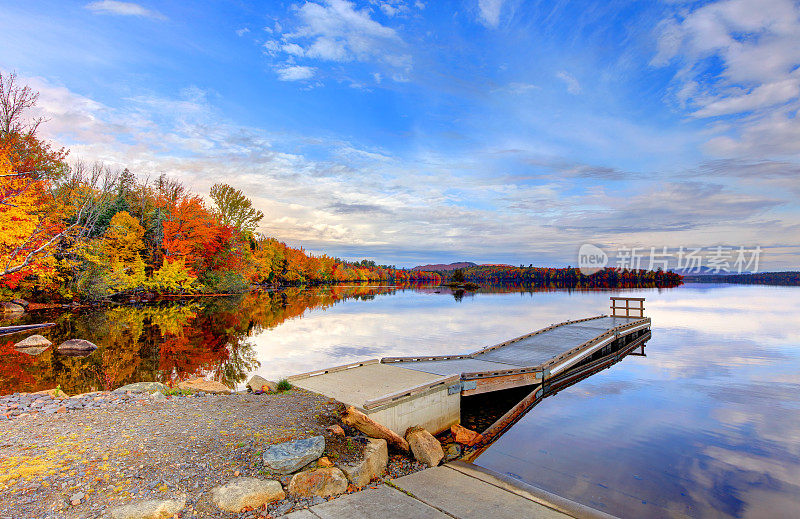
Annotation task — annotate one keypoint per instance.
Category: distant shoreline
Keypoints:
(786, 278)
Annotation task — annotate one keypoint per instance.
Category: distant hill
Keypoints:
(442, 266)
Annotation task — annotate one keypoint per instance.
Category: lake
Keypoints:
(706, 424)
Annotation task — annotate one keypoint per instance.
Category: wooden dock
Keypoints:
(400, 392)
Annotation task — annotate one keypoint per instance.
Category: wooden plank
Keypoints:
(486, 385)
(9, 330)
(389, 360)
(405, 393)
(628, 298)
(333, 369)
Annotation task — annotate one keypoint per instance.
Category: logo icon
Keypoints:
(591, 259)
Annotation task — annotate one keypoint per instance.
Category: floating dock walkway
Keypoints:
(399, 392)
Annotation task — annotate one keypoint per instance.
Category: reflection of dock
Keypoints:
(400, 392)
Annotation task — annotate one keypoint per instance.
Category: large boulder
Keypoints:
(21, 302)
(376, 457)
(425, 446)
(258, 384)
(11, 309)
(201, 384)
(76, 347)
(150, 509)
(242, 492)
(288, 457)
(33, 345)
(325, 482)
(143, 387)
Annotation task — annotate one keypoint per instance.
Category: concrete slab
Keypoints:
(301, 514)
(466, 497)
(379, 503)
(357, 385)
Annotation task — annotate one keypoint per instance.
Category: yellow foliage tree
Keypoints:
(115, 261)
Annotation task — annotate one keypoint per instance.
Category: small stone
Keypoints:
(324, 462)
(200, 384)
(452, 452)
(259, 384)
(62, 409)
(158, 396)
(76, 499)
(335, 429)
(150, 509)
(464, 435)
(425, 447)
(324, 482)
(243, 492)
(144, 387)
(288, 457)
(376, 457)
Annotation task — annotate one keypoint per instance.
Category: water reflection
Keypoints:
(165, 342)
(708, 425)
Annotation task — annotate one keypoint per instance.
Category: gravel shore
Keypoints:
(110, 449)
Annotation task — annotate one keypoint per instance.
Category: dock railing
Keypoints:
(635, 310)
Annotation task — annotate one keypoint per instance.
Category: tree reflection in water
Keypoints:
(166, 342)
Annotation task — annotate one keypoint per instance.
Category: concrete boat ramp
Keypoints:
(400, 392)
(456, 490)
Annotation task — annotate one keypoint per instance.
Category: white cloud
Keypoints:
(123, 9)
(335, 30)
(295, 73)
(293, 49)
(242, 31)
(489, 12)
(738, 59)
(573, 87)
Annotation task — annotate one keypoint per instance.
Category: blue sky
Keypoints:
(409, 131)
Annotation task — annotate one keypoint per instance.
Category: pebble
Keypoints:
(22, 405)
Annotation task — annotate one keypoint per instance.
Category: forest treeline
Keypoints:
(72, 230)
(786, 278)
(569, 277)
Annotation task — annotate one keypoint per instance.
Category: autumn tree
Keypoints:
(234, 209)
(44, 204)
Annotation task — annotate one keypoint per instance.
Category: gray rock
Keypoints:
(77, 345)
(452, 452)
(144, 387)
(158, 396)
(241, 492)
(7, 309)
(150, 509)
(33, 345)
(258, 383)
(376, 457)
(21, 302)
(285, 458)
(75, 499)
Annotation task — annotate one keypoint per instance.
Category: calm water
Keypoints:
(707, 424)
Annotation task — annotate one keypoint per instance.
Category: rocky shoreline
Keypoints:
(149, 451)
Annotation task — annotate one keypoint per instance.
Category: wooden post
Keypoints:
(630, 310)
